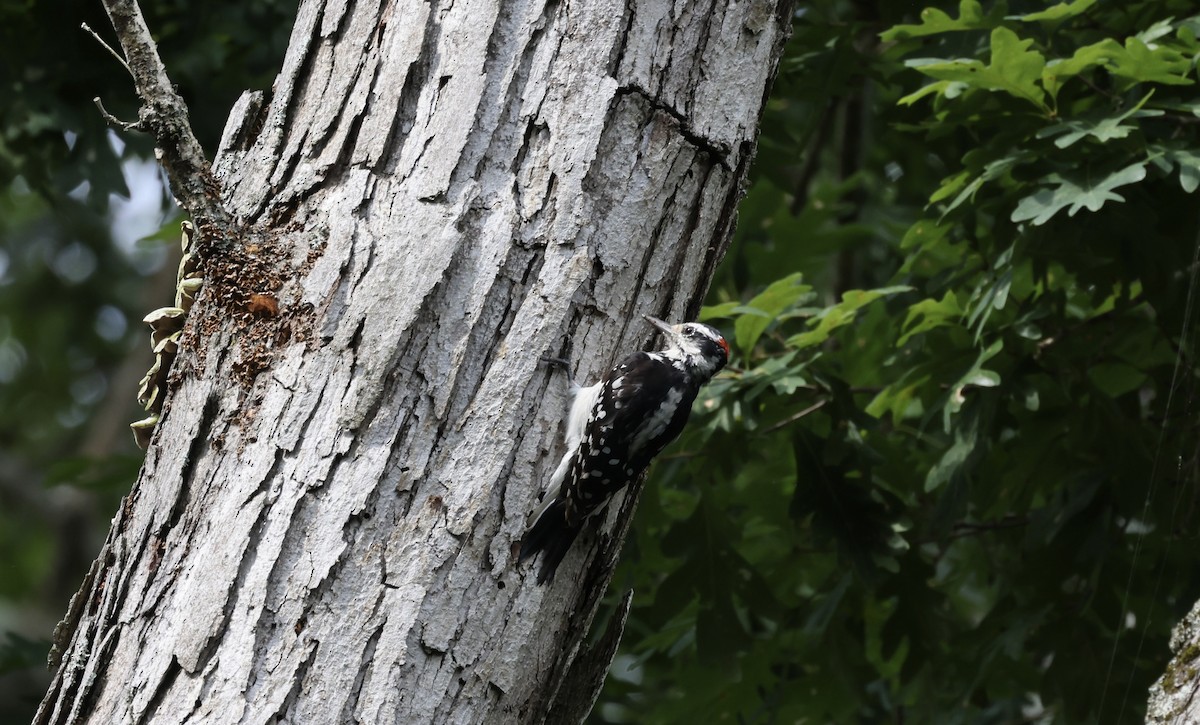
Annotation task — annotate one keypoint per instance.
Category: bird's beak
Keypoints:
(667, 330)
(673, 333)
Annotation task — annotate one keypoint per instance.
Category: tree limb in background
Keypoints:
(165, 115)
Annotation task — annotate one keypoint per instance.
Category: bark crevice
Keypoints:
(164, 684)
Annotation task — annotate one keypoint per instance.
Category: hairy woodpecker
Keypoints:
(615, 428)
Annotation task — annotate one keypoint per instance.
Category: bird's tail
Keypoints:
(551, 535)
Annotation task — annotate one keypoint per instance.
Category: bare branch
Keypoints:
(793, 418)
(165, 115)
(106, 46)
(962, 529)
(581, 686)
(114, 121)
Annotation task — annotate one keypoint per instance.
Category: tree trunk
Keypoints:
(1175, 698)
(435, 195)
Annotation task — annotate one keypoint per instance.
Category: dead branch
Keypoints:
(165, 115)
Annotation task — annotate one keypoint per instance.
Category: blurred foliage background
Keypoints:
(76, 277)
(951, 473)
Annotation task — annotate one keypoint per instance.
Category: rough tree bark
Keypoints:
(1175, 698)
(433, 195)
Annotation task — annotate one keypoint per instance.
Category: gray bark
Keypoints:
(1175, 698)
(435, 195)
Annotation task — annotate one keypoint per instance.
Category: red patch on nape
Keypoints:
(724, 345)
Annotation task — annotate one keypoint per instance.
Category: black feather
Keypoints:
(642, 405)
(551, 535)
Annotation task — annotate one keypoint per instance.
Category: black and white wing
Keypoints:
(640, 406)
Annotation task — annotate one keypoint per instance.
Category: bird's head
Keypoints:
(700, 348)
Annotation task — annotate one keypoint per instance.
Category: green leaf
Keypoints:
(950, 185)
(1060, 12)
(924, 232)
(992, 171)
(954, 459)
(1014, 69)
(976, 376)
(716, 312)
(1142, 64)
(772, 374)
(942, 88)
(1136, 61)
(825, 608)
(1115, 378)
(761, 311)
(993, 299)
(1090, 56)
(933, 21)
(1103, 129)
(843, 313)
(168, 233)
(929, 314)
(1157, 30)
(897, 399)
(1192, 107)
(1074, 195)
(1188, 161)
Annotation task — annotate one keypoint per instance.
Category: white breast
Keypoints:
(582, 402)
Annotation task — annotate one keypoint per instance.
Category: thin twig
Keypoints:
(165, 115)
(793, 418)
(120, 58)
(114, 121)
(963, 529)
(1008, 522)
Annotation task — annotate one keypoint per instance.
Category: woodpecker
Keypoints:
(615, 427)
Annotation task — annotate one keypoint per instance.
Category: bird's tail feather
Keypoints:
(551, 535)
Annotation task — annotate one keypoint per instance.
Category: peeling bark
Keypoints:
(437, 194)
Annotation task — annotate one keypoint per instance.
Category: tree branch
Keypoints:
(581, 687)
(797, 416)
(112, 120)
(88, 29)
(165, 115)
(962, 529)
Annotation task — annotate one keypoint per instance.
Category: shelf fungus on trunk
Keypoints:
(166, 327)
